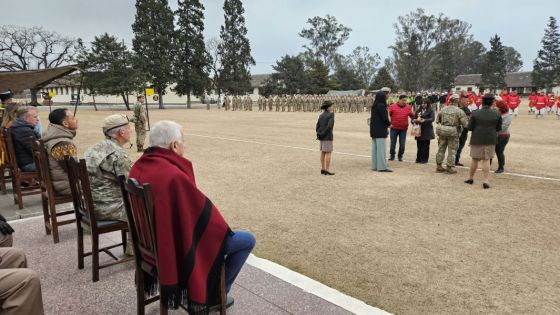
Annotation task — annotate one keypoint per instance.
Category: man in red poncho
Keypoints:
(540, 104)
(532, 102)
(192, 236)
(513, 103)
(504, 94)
(478, 100)
(551, 102)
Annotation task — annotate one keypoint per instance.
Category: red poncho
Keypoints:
(190, 230)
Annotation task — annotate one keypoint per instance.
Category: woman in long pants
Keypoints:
(425, 118)
(378, 131)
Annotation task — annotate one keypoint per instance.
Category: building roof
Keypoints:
(258, 80)
(513, 79)
(18, 81)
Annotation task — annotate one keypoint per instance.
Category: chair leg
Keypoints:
(80, 246)
(124, 240)
(2, 180)
(95, 255)
(19, 197)
(162, 308)
(46, 215)
(140, 306)
(54, 221)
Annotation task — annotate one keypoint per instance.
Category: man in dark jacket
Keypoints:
(22, 131)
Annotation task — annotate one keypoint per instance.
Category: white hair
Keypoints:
(114, 132)
(164, 132)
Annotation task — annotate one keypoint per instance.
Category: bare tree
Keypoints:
(212, 45)
(34, 48)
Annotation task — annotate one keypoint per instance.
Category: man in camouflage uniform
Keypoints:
(452, 120)
(227, 103)
(140, 122)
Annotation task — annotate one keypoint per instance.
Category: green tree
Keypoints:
(513, 59)
(192, 63)
(546, 67)
(319, 81)
(346, 78)
(153, 43)
(290, 77)
(326, 36)
(362, 63)
(494, 65)
(383, 79)
(234, 50)
(108, 68)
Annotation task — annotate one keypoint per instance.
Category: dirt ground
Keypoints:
(409, 242)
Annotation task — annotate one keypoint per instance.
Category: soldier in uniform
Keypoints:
(140, 122)
(106, 161)
(260, 102)
(250, 103)
(451, 120)
(227, 103)
(271, 103)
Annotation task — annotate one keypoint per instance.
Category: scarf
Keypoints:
(190, 232)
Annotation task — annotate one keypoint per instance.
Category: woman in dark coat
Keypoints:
(425, 118)
(378, 131)
(324, 129)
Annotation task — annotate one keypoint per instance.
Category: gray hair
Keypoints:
(23, 111)
(164, 132)
(111, 133)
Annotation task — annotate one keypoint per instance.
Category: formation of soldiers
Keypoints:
(299, 103)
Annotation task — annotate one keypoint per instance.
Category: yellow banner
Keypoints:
(149, 92)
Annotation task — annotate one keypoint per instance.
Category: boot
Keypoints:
(440, 169)
(451, 170)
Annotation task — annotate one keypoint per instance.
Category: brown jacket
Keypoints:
(59, 144)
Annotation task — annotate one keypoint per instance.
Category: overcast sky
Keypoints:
(273, 25)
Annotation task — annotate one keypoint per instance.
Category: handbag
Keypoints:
(416, 131)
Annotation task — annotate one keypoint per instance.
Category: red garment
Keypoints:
(448, 98)
(478, 100)
(505, 97)
(471, 97)
(190, 230)
(551, 100)
(513, 101)
(399, 116)
(532, 99)
(541, 102)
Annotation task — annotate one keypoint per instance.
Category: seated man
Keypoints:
(191, 264)
(106, 161)
(59, 144)
(20, 288)
(22, 131)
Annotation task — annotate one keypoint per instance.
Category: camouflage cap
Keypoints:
(114, 121)
(455, 96)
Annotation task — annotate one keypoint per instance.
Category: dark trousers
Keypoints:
(462, 141)
(500, 147)
(401, 134)
(423, 154)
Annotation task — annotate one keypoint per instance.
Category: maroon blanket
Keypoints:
(190, 230)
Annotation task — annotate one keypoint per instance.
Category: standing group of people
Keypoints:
(541, 104)
(489, 127)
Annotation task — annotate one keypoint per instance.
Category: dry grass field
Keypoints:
(409, 242)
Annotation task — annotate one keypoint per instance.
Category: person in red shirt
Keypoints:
(551, 102)
(478, 100)
(448, 97)
(399, 112)
(540, 104)
(504, 94)
(513, 103)
(558, 108)
(532, 102)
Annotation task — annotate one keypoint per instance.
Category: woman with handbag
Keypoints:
(423, 130)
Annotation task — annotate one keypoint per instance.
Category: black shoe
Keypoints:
(386, 170)
(459, 164)
(499, 170)
(485, 186)
(469, 181)
(392, 158)
(328, 173)
(400, 159)
(323, 172)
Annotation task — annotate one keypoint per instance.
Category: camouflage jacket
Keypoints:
(139, 114)
(106, 161)
(452, 116)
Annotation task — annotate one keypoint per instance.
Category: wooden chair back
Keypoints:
(81, 192)
(42, 163)
(10, 150)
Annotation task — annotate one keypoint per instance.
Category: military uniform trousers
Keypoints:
(6, 240)
(20, 288)
(140, 136)
(450, 144)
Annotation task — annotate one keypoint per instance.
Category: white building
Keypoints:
(520, 81)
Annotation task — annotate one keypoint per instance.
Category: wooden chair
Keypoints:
(18, 175)
(139, 207)
(85, 216)
(5, 167)
(48, 196)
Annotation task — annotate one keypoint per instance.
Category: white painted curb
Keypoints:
(314, 287)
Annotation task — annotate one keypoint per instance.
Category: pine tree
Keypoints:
(546, 67)
(192, 63)
(153, 42)
(494, 65)
(235, 50)
(383, 79)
